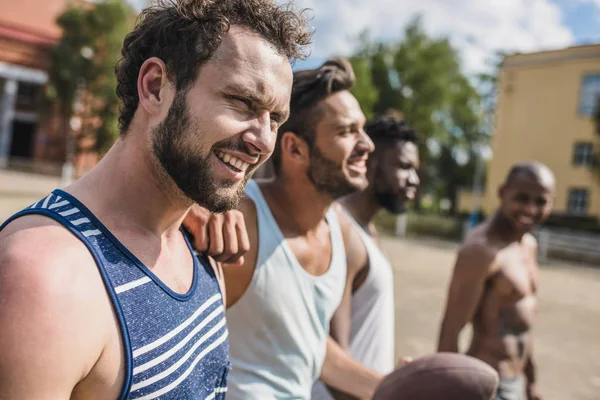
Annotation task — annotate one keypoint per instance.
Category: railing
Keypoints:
(576, 246)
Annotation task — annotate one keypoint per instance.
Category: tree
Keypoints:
(422, 78)
(364, 90)
(82, 70)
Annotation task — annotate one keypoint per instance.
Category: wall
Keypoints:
(537, 118)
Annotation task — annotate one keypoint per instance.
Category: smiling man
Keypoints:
(302, 248)
(364, 324)
(101, 296)
(495, 282)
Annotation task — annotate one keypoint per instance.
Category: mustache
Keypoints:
(235, 145)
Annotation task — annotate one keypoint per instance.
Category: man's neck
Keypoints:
(503, 228)
(126, 191)
(362, 206)
(296, 203)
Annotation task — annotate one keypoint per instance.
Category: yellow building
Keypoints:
(544, 113)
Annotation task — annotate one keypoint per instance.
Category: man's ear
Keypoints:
(501, 190)
(152, 85)
(294, 148)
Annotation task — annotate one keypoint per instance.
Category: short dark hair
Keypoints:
(388, 128)
(534, 169)
(309, 88)
(184, 34)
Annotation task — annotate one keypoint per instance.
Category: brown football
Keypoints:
(441, 376)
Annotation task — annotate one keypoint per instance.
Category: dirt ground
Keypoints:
(567, 331)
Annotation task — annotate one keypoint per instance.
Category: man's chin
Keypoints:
(221, 199)
(358, 184)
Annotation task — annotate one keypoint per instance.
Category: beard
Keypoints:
(175, 145)
(391, 202)
(327, 176)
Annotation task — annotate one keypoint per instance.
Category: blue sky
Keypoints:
(476, 27)
(582, 18)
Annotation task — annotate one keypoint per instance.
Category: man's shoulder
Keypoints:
(478, 249)
(40, 254)
(53, 304)
(530, 241)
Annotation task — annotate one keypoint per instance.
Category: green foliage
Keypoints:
(448, 228)
(421, 77)
(83, 66)
(364, 91)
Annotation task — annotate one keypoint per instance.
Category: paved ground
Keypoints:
(20, 189)
(567, 330)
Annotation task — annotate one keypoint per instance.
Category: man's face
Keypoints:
(341, 147)
(218, 132)
(526, 202)
(395, 180)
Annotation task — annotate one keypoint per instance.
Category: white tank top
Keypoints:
(372, 327)
(278, 329)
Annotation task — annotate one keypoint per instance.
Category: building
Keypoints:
(27, 135)
(544, 112)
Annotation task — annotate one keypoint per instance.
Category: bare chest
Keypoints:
(516, 276)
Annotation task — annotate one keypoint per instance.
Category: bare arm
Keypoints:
(530, 375)
(51, 322)
(357, 261)
(471, 270)
(530, 367)
(344, 375)
(238, 278)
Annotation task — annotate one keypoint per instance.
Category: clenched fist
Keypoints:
(221, 236)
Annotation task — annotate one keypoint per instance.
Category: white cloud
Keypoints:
(476, 27)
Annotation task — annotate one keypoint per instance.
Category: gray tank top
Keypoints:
(278, 329)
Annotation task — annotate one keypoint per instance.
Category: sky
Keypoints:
(477, 28)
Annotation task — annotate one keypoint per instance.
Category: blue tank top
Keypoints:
(176, 345)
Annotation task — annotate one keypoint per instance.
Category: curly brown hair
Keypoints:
(184, 34)
(309, 88)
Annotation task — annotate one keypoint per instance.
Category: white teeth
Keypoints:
(233, 161)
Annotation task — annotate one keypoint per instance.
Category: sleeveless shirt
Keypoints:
(372, 316)
(176, 345)
(280, 325)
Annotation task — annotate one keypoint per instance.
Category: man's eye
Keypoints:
(247, 103)
(276, 118)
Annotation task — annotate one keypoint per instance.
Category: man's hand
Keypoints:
(532, 392)
(221, 236)
(403, 361)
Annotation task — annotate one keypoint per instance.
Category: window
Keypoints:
(578, 201)
(590, 91)
(583, 153)
(27, 93)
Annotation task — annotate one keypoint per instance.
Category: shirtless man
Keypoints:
(495, 281)
(100, 294)
(302, 256)
(367, 332)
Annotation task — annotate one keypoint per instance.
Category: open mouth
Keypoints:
(525, 220)
(232, 161)
(357, 164)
